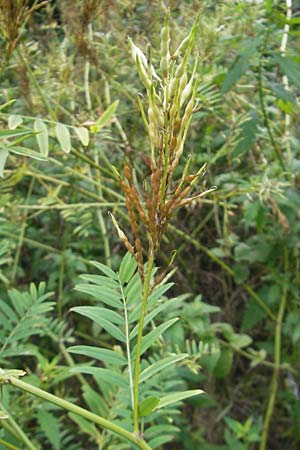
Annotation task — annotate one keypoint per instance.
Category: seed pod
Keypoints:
(127, 172)
(173, 84)
(188, 41)
(182, 83)
(137, 53)
(181, 68)
(164, 48)
(122, 235)
(143, 73)
(187, 113)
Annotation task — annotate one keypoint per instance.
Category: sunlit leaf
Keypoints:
(42, 136)
(63, 136)
(83, 135)
(177, 397)
(14, 121)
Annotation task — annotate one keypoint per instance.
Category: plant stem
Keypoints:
(127, 346)
(277, 357)
(104, 423)
(146, 290)
(8, 445)
(18, 432)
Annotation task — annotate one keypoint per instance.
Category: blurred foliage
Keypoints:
(66, 63)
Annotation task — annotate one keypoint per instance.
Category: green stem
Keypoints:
(251, 357)
(104, 423)
(277, 357)
(18, 432)
(146, 290)
(8, 445)
(127, 345)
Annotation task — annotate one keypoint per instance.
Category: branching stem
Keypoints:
(103, 423)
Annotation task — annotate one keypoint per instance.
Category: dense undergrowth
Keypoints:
(228, 264)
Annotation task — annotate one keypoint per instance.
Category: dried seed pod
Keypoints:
(122, 235)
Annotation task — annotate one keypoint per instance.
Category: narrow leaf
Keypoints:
(63, 136)
(106, 270)
(102, 354)
(177, 397)
(101, 280)
(42, 136)
(3, 158)
(23, 151)
(127, 268)
(50, 426)
(4, 134)
(151, 337)
(107, 375)
(101, 319)
(106, 117)
(160, 365)
(147, 406)
(105, 295)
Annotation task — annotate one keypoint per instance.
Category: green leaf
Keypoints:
(161, 365)
(63, 136)
(248, 134)
(151, 337)
(86, 427)
(127, 268)
(290, 68)
(106, 270)
(133, 290)
(105, 117)
(100, 280)
(238, 68)
(240, 340)
(105, 355)
(98, 313)
(14, 121)
(147, 405)
(282, 94)
(83, 135)
(102, 294)
(177, 397)
(106, 375)
(95, 401)
(149, 317)
(103, 318)
(3, 158)
(158, 441)
(50, 426)
(253, 314)
(224, 363)
(42, 136)
(4, 134)
(27, 152)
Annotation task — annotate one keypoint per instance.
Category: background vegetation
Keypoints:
(237, 251)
